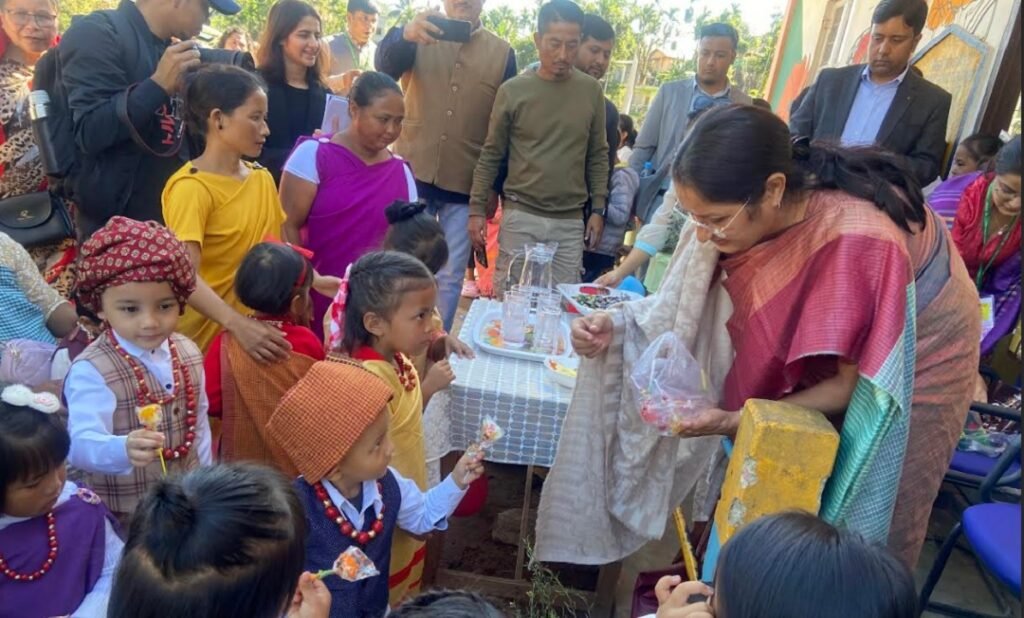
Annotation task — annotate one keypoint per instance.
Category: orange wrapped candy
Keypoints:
(352, 565)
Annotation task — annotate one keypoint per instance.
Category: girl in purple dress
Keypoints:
(58, 547)
(335, 187)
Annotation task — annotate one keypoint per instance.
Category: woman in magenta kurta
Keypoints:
(335, 187)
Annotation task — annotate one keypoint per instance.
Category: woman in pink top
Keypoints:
(335, 188)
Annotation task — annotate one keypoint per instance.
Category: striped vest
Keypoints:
(121, 494)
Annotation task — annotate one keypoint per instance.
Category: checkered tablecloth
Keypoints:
(515, 392)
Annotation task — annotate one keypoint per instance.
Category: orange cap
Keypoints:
(323, 415)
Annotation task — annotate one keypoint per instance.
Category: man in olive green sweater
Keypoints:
(550, 123)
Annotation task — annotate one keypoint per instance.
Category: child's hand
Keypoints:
(673, 598)
(454, 345)
(439, 376)
(142, 445)
(469, 468)
(312, 599)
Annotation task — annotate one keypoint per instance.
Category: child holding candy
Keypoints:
(334, 426)
(58, 548)
(383, 315)
(136, 277)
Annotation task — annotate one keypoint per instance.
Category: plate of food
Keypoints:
(562, 370)
(487, 336)
(586, 298)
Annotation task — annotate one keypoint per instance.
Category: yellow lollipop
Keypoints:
(151, 416)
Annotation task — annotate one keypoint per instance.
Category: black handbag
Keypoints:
(35, 219)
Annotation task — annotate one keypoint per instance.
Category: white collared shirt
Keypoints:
(421, 512)
(94, 446)
(95, 601)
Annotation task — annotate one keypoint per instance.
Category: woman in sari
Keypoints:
(847, 298)
(335, 188)
(987, 233)
(29, 29)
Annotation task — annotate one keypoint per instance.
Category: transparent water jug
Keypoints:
(535, 277)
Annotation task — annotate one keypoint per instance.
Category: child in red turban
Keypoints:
(136, 277)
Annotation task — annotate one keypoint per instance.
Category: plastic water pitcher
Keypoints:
(536, 275)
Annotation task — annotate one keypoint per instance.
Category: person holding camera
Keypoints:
(449, 93)
(122, 70)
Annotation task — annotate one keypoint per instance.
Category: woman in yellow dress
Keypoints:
(221, 206)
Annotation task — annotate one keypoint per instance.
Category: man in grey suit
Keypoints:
(883, 102)
(677, 103)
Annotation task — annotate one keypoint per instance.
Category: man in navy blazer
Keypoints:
(884, 102)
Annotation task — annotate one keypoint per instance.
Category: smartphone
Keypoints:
(454, 30)
(480, 257)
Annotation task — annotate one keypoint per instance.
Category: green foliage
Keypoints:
(517, 28)
(68, 8)
(548, 597)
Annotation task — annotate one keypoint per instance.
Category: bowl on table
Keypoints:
(562, 370)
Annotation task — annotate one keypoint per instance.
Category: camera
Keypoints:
(240, 59)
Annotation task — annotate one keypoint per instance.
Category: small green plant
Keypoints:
(548, 597)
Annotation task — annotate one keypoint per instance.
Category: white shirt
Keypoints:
(420, 512)
(94, 446)
(95, 601)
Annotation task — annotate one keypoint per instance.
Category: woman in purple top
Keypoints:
(335, 188)
(972, 158)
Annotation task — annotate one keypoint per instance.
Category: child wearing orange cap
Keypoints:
(333, 425)
(137, 278)
(383, 318)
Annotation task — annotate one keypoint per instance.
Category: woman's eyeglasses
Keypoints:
(718, 232)
(42, 20)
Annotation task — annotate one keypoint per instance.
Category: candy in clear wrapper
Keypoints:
(352, 565)
(490, 432)
(669, 385)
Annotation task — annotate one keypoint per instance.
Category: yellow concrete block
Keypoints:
(781, 459)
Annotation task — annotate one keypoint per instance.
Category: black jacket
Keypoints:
(107, 59)
(914, 126)
(281, 140)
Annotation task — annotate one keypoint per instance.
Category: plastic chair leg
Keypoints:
(936, 573)
(939, 565)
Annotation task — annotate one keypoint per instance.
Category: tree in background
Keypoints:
(70, 8)
(517, 28)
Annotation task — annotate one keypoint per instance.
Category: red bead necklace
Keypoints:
(51, 557)
(347, 529)
(406, 374)
(182, 379)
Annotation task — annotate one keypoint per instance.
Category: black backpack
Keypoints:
(58, 118)
(48, 76)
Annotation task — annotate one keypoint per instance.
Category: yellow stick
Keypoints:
(689, 560)
(163, 464)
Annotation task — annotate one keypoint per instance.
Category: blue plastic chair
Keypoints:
(993, 531)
